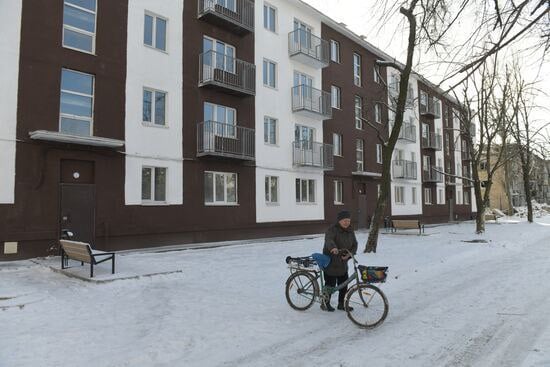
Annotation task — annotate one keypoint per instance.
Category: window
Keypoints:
(270, 130)
(335, 96)
(426, 160)
(423, 98)
(338, 192)
(79, 24)
(427, 196)
(426, 131)
(305, 191)
(437, 107)
(270, 18)
(379, 153)
(447, 143)
(270, 74)
(459, 197)
(357, 69)
(413, 195)
(154, 31)
(217, 55)
(153, 184)
(220, 120)
(358, 112)
(359, 155)
(77, 103)
(466, 198)
(335, 51)
(399, 192)
(337, 143)
(378, 113)
(377, 74)
(154, 107)
(440, 196)
(220, 188)
(271, 189)
(378, 190)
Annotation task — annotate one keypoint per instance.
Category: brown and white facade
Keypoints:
(139, 123)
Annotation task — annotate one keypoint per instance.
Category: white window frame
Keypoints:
(379, 153)
(335, 97)
(335, 51)
(268, 194)
(308, 192)
(423, 98)
(358, 112)
(338, 192)
(267, 22)
(269, 130)
(360, 148)
(357, 69)
(377, 74)
(378, 188)
(78, 117)
(152, 193)
(466, 197)
(224, 202)
(427, 196)
(338, 147)
(153, 107)
(413, 195)
(78, 30)
(226, 122)
(265, 73)
(154, 31)
(440, 197)
(378, 113)
(399, 193)
(459, 197)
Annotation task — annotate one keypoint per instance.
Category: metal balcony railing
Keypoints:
(430, 108)
(225, 140)
(235, 15)
(227, 72)
(408, 132)
(311, 102)
(313, 154)
(432, 141)
(432, 174)
(404, 169)
(308, 48)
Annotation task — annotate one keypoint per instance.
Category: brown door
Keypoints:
(78, 211)
(362, 211)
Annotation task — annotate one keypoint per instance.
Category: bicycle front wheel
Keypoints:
(301, 290)
(366, 306)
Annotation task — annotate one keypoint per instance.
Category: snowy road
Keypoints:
(451, 304)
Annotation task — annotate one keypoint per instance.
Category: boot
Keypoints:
(341, 307)
(327, 307)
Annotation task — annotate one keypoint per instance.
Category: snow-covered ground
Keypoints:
(452, 303)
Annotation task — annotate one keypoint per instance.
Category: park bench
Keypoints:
(407, 224)
(81, 251)
(490, 217)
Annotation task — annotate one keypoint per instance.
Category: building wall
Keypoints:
(10, 29)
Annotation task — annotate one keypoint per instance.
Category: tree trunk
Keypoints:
(527, 188)
(385, 187)
(480, 218)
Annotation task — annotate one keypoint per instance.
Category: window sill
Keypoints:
(270, 87)
(271, 145)
(272, 204)
(79, 50)
(155, 203)
(156, 49)
(306, 204)
(339, 204)
(148, 124)
(221, 204)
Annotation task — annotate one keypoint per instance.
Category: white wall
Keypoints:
(276, 103)
(148, 67)
(440, 155)
(458, 158)
(10, 37)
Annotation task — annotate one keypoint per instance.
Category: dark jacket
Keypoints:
(340, 238)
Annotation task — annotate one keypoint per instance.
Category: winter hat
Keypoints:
(344, 214)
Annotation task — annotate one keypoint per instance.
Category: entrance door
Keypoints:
(362, 211)
(78, 211)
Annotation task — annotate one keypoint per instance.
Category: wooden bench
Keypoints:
(82, 252)
(407, 224)
(490, 217)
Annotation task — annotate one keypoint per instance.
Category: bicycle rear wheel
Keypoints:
(370, 306)
(301, 290)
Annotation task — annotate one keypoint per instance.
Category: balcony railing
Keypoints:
(404, 169)
(467, 183)
(432, 141)
(225, 140)
(235, 15)
(430, 109)
(220, 70)
(313, 154)
(432, 174)
(408, 132)
(311, 102)
(308, 48)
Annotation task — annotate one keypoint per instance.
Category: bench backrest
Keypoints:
(77, 250)
(406, 223)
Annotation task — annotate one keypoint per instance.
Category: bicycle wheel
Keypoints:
(301, 290)
(370, 306)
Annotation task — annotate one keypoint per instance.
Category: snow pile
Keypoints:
(539, 210)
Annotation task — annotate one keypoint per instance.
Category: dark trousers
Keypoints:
(332, 281)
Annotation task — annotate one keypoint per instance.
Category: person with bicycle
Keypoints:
(338, 238)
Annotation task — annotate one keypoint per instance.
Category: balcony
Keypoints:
(465, 155)
(308, 49)
(225, 140)
(430, 109)
(432, 174)
(306, 153)
(311, 102)
(467, 181)
(404, 169)
(408, 132)
(222, 71)
(234, 15)
(432, 141)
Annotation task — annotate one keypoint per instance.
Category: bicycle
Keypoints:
(365, 304)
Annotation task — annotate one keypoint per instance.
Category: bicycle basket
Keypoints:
(373, 274)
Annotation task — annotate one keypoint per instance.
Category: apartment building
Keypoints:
(147, 123)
